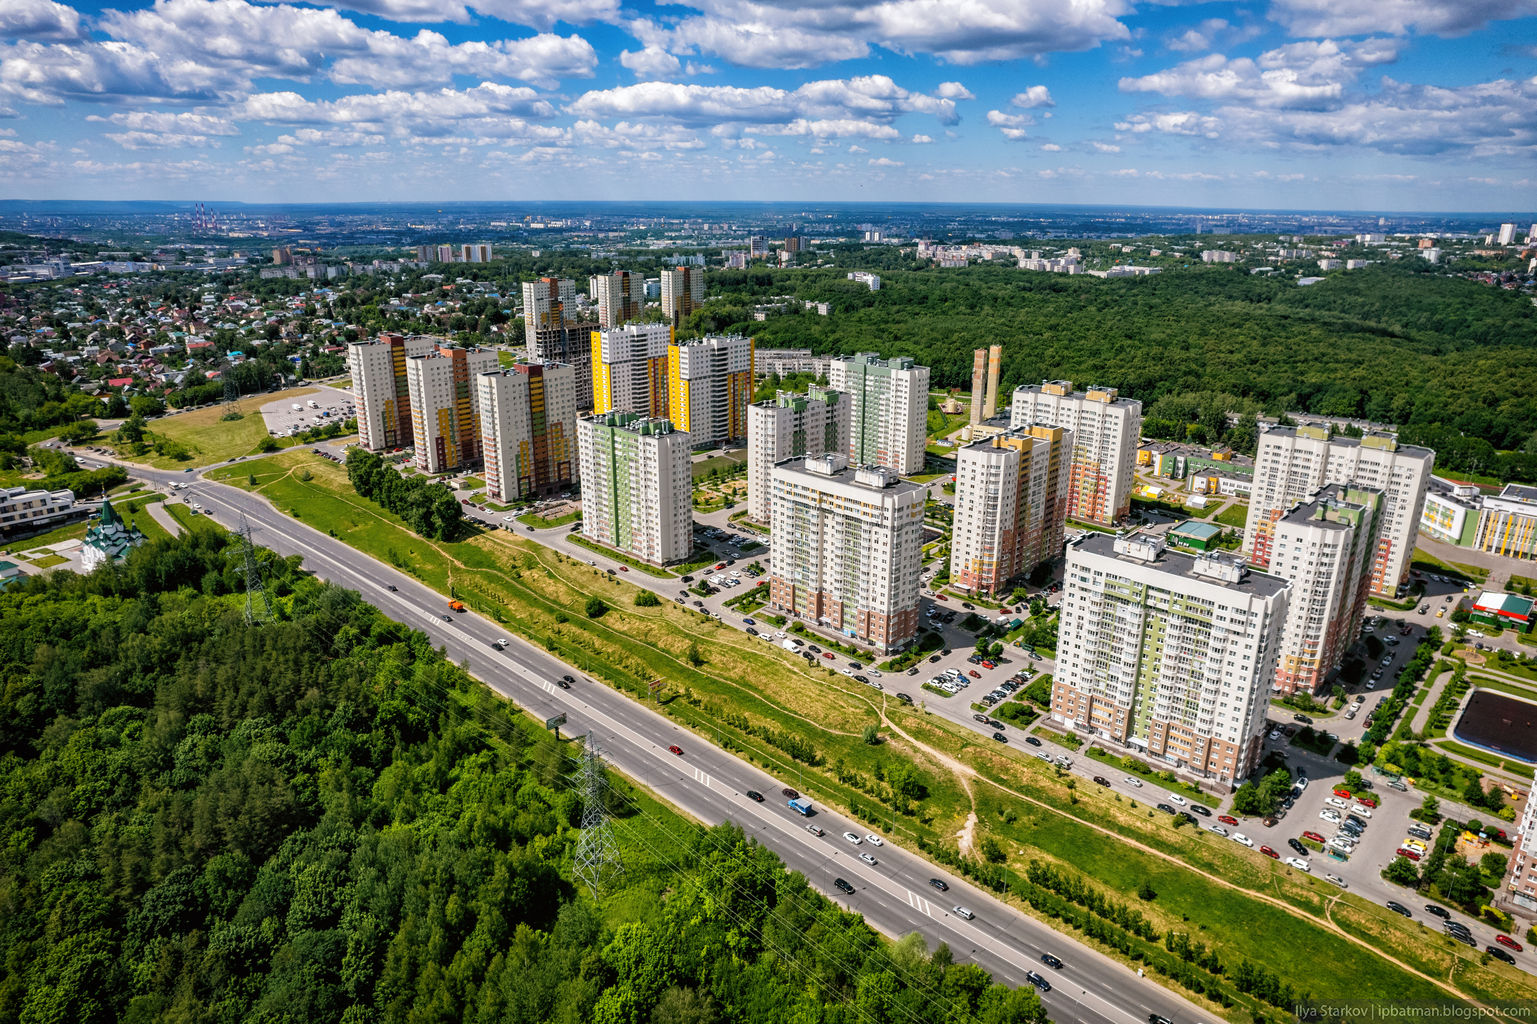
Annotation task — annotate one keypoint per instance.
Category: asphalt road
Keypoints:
(894, 895)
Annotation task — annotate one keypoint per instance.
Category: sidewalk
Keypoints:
(157, 512)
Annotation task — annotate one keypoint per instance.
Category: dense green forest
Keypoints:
(1451, 361)
(321, 819)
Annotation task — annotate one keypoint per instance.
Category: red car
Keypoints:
(827, 654)
(988, 664)
(1313, 836)
(1404, 851)
(1342, 793)
(624, 568)
(1227, 819)
(942, 597)
(1367, 800)
(974, 674)
(1508, 942)
(676, 749)
(1267, 851)
(721, 566)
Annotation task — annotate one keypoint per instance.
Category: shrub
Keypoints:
(873, 735)
(646, 599)
(596, 607)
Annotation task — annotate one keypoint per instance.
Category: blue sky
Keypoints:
(1346, 104)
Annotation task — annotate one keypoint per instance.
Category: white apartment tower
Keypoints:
(1294, 462)
(629, 369)
(1010, 506)
(1106, 431)
(889, 418)
(682, 292)
(1324, 547)
(379, 388)
(1169, 654)
(445, 420)
(709, 387)
(846, 549)
(551, 333)
(528, 429)
(620, 297)
(636, 485)
(787, 426)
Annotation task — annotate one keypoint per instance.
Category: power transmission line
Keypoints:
(597, 860)
(258, 606)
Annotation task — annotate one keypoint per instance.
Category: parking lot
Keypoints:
(288, 416)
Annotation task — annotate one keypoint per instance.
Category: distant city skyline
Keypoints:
(1408, 105)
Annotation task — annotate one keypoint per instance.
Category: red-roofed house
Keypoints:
(119, 382)
(198, 345)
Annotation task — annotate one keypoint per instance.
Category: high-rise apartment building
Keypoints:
(1324, 547)
(629, 369)
(528, 429)
(709, 385)
(847, 548)
(475, 252)
(1010, 506)
(1520, 886)
(1294, 462)
(445, 420)
(1507, 234)
(620, 297)
(379, 389)
(682, 292)
(1106, 430)
(890, 409)
(551, 332)
(1168, 654)
(636, 485)
(787, 426)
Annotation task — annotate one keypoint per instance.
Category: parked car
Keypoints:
(1227, 819)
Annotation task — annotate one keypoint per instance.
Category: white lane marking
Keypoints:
(702, 778)
(919, 904)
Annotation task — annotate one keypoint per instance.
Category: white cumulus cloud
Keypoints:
(1035, 96)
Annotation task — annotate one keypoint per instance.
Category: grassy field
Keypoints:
(728, 462)
(1426, 562)
(211, 440)
(754, 696)
(1234, 515)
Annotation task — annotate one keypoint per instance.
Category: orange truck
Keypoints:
(457, 606)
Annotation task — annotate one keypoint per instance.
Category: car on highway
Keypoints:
(1032, 741)
(852, 838)
(843, 886)
(446, 618)
(1038, 981)
(1132, 782)
(502, 642)
(1177, 799)
(814, 830)
(1435, 911)
(868, 859)
(963, 913)
(1100, 780)
(1500, 954)
(1000, 737)
(1050, 960)
(1398, 908)
(674, 748)
(1204, 812)
(940, 884)
(391, 588)
(875, 840)
(1508, 942)
(755, 796)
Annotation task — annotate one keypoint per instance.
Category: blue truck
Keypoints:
(801, 805)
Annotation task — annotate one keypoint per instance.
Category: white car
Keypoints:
(1132, 782)
(1362, 811)
(1337, 880)
(509, 518)
(1335, 801)
(852, 838)
(1329, 815)
(963, 912)
(1241, 839)
(1302, 782)
(1299, 864)
(1175, 798)
(875, 840)
(1217, 829)
(868, 859)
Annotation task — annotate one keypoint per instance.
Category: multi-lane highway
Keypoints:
(894, 895)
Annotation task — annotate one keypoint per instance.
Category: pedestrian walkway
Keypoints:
(157, 512)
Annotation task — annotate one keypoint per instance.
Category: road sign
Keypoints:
(556, 722)
(655, 686)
